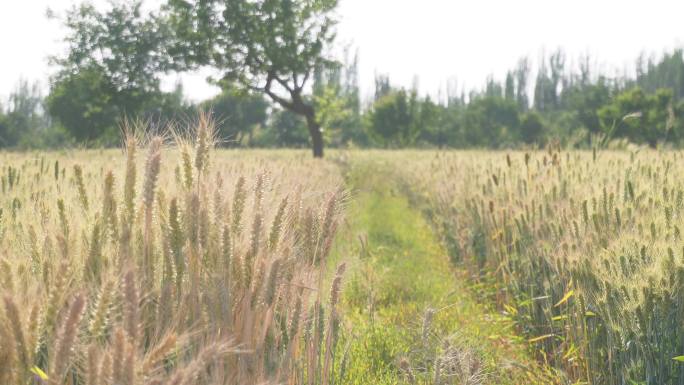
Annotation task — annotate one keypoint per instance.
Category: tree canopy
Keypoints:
(269, 46)
(112, 69)
(280, 87)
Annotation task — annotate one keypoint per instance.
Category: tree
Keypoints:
(640, 117)
(269, 46)
(531, 127)
(493, 88)
(432, 129)
(668, 72)
(452, 120)
(4, 127)
(382, 86)
(81, 102)
(509, 90)
(112, 68)
(125, 45)
(237, 113)
(333, 113)
(336, 99)
(285, 129)
(393, 119)
(25, 116)
(585, 99)
(522, 72)
(490, 121)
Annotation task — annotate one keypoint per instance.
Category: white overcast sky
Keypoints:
(434, 40)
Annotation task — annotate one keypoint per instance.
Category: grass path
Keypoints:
(398, 271)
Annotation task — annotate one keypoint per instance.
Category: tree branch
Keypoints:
(284, 84)
(306, 77)
(267, 90)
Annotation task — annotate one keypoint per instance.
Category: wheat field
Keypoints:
(171, 262)
(167, 263)
(582, 250)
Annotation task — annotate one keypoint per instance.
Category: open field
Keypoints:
(341, 192)
(585, 249)
(177, 263)
(166, 265)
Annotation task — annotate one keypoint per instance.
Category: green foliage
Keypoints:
(531, 127)
(238, 114)
(393, 119)
(491, 122)
(111, 71)
(336, 99)
(332, 112)
(278, 48)
(584, 100)
(266, 46)
(23, 123)
(548, 82)
(125, 45)
(431, 123)
(667, 72)
(81, 103)
(640, 117)
(4, 126)
(285, 129)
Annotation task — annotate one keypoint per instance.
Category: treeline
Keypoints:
(573, 105)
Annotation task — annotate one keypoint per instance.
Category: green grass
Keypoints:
(399, 269)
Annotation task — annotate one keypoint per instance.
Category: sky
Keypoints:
(428, 42)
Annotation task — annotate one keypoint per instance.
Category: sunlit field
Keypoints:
(341, 192)
(167, 263)
(170, 261)
(582, 251)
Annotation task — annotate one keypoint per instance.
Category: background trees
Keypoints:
(393, 119)
(265, 46)
(82, 102)
(23, 122)
(641, 117)
(111, 70)
(238, 115)
(280, 87)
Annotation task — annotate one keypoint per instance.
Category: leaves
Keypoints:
(40, 373)
(540, 338)
(565, 298)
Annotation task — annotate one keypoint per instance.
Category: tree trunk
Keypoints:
(316, 136)
(298, 106)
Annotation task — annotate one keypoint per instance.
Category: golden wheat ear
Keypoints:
(60, 356)
(17, 328)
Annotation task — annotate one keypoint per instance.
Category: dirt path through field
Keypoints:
(400, 275)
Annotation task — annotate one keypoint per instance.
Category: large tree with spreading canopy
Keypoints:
(269, 46)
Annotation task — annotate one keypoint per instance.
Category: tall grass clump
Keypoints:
(170, 264)
(582, 250)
